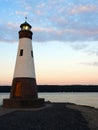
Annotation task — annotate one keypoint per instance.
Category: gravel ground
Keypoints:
(89, 113)
(55, 117)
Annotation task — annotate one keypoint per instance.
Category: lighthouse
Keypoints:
(24, 88)
(24, 82)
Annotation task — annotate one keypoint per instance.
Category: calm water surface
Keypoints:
(89, 99)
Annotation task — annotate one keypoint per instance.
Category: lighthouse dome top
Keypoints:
(25, 26)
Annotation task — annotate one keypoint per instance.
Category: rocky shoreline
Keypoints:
(54, 116)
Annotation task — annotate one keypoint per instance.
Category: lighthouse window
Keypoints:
(32, 53)
(21, 52)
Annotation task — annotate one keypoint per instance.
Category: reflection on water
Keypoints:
(89, 99)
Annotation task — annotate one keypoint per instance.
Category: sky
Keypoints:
(65, 39)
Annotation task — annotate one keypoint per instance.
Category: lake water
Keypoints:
(89, 99)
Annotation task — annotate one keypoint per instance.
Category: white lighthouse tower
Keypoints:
(24, 89)
(24, 75)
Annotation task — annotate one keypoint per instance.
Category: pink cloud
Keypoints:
(83, 8)
(28, 8)
(38, 12)
(89, 32)
(41, 29)
(12, 25)
(22, 13)
(41, 5)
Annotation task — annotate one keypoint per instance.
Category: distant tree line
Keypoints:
(59, 88)
(5, 88)
(68, 88)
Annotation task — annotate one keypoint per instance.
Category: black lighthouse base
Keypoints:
(23, 103)
(23, 94)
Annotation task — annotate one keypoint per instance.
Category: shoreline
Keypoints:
(53, 116)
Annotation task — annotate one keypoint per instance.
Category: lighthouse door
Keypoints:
(18, 89)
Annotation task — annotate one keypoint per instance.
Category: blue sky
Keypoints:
(65, 39)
